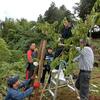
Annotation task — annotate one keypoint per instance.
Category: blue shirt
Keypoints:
(15, 94)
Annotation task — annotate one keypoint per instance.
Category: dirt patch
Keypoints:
(66, 94)
(94, 97)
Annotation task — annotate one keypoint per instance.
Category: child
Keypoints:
(48, 59)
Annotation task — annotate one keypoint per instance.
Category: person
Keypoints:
(31, 53)
(66, 30)
(86, 60)
(14, 86)
(48, 59)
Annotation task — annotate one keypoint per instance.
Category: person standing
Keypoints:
(47, 68)
(31, 53)
(86, 61)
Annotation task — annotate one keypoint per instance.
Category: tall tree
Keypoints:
(84, 8)
(40, 19)
(51, 14)
(57, 14)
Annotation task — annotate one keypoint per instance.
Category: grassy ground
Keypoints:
(66, 94)
(95, 79)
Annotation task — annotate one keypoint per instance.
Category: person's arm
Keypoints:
(58, 52)
(20, 96)
(29, 57)
(81, 51)
(76, 59)
(78, 49)
(26, 82)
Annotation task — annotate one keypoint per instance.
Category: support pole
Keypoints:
(41, 56)
(41, 62)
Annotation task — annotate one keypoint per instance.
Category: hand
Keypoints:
(33, 77)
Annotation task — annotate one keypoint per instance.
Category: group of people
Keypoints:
(85, 59)
(13, 81)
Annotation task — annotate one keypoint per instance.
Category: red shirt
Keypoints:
(29, 55)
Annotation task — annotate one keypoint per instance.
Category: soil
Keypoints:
(66, 94)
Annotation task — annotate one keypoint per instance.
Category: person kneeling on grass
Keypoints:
(14, 86)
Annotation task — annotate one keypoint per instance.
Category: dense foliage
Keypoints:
(16, 36)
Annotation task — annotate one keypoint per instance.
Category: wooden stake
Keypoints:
(41, 56)
(40, 48)
(41, 62)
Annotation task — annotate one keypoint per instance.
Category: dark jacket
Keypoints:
(66, 32)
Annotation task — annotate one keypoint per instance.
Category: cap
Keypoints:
(12, 80)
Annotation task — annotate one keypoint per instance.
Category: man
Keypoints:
(32, 52)
(86, 60)
(48, 59)
(14, 86)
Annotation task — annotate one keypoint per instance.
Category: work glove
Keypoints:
(35, 64)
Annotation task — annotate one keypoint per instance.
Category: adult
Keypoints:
(13, 89)
(86, 60)
(66, 30)
(31, 53)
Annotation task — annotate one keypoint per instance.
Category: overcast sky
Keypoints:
(29, 9)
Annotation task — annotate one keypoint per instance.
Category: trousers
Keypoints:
(82, 84)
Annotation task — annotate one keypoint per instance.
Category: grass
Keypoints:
(95, 79)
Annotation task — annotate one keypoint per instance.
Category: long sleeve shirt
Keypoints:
(15, 94)
(85, 59)
(29, 56)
